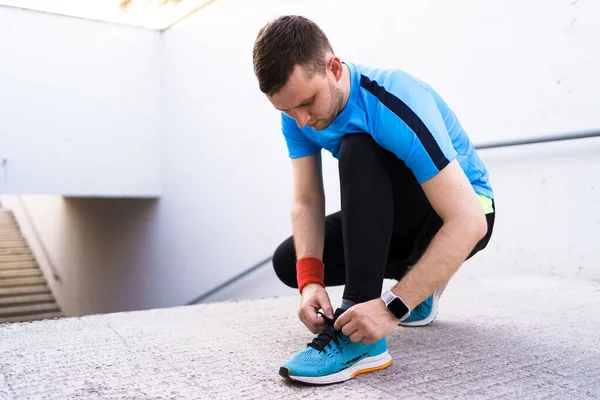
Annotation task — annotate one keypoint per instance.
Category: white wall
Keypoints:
(79, 106)
(548, 219)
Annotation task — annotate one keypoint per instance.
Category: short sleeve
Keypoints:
(409, 124)
(297, 143)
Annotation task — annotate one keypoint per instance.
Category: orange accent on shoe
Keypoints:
(364, 371)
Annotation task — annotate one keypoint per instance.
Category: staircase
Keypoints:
(24, 293)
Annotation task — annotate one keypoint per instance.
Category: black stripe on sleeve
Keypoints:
(409, 117)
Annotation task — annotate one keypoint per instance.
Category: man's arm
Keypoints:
(464, 224)
(308, 221)
(308, 206)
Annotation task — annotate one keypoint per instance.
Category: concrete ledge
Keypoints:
(505, 336)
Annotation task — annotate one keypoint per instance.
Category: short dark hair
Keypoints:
(283, 43)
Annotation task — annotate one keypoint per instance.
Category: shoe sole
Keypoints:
(434, 310)
(369, 364)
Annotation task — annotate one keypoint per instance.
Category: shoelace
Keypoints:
(322, 340)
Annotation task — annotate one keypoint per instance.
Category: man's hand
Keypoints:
(367, 322)
(314, 298)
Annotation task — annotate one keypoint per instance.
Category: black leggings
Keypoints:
(384, 227)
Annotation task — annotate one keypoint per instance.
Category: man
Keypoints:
(415, 198)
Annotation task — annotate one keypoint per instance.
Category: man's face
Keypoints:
(311, 100)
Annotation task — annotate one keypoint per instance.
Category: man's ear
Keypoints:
(335, 66)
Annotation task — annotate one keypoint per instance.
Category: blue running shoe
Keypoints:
(424, 313)
(331, 358)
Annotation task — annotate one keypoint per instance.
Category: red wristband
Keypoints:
(310, 270)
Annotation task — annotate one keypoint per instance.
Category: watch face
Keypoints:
(398, 308)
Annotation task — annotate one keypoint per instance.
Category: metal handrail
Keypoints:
(493, 145)
(537, 140)
(230, 281)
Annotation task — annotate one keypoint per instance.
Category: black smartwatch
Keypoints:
(395, 305)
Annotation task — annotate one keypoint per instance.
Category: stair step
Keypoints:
(12, 243)
(20, 273)
(9, 227)
(20, 282)
(13, 236)
(24, 300)
(28, 318)
(16, 258)
(31, 309)
(24, 291)
(5, 251)
(18, 265)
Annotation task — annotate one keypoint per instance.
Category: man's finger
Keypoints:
(325, 304)
(350, 328)
(328, 310)
(315, 321)
(368, 341)
(305, 317)
(357, 336)
(342, 320)
(305, 321)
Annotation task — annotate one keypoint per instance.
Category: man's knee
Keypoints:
(482, 244)
(355, 149)
(284, 263)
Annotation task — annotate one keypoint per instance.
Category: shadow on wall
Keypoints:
(116, 225)
(109, 252)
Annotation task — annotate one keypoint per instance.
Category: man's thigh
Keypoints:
(405, 254)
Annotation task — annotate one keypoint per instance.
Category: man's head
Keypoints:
(298, 71)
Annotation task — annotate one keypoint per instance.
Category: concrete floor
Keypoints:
(502, 336)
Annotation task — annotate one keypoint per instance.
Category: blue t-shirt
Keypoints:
(405, 116)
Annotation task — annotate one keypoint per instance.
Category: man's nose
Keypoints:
(301, 117)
